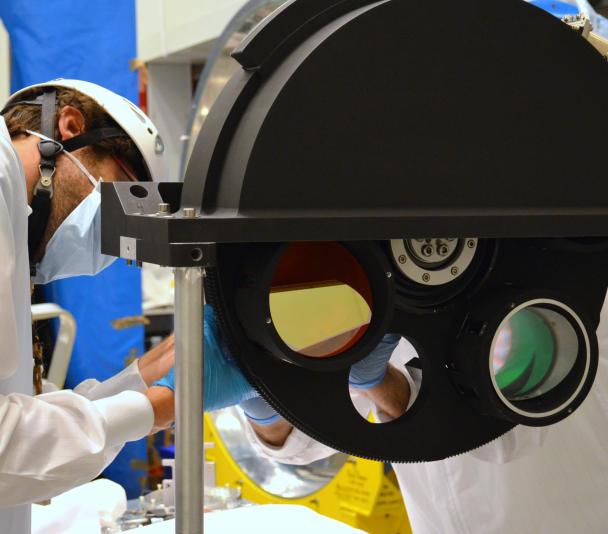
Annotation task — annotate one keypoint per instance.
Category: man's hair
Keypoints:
(24, 116)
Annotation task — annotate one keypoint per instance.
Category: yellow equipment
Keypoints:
(361, 493)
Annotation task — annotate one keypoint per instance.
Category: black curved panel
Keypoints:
(288, 25)
(424, 118)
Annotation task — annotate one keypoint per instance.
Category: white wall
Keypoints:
(175, 30)
(5, 66)
(169, 106)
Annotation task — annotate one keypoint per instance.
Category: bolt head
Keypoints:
(389, 274)
(427, 251)
(268, 320)
(402, 258)
(471, 243)
(454, 271)
(426, 277)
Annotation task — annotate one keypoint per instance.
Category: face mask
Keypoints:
(75, 247)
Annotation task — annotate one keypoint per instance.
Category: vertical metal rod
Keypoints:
(189, 449)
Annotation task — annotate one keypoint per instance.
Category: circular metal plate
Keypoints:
(433, 262)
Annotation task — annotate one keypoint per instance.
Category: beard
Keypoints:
(70, 188)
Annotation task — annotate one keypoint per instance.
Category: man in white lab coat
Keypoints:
(56, 141)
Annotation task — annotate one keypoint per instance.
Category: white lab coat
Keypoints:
(56, 441)
(551, 480)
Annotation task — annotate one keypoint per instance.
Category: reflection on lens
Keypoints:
(320, 299)
(533, 351)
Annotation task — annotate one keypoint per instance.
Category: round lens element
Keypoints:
(533, 351)
(320, 299)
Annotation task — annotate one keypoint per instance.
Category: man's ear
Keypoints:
(71, 123)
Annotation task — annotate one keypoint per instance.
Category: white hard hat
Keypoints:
(136, 124)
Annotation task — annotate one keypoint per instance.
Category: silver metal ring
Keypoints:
(580, 324)
(440, 269)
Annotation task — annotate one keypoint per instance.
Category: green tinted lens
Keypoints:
(533, 352)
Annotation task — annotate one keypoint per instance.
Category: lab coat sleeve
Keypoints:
(129, 379)
(299, 449)
(8, 321)
(56, 441)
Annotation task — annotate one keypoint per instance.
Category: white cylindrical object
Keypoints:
(189, 452)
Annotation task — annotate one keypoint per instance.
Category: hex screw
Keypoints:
(389, 274)
(454, 271)
(427, 251)
(268, 320)
(164, 208)
(402, 258)
(443, 250)
(426, 277)
(470, 243)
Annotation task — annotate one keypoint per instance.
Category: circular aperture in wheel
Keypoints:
(390, 395)
(539, 358)
(320, 299)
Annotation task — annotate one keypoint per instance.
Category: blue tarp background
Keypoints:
(93, 41)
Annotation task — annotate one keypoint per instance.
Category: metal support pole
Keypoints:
(189, 449)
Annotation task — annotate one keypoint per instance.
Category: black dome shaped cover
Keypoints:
(399, 118)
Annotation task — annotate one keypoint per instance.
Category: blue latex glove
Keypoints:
(370, 371)
(259, 411)
(224, 385)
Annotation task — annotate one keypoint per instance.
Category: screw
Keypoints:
(402, 258)
(443, 250)
(454, 271)
(427, 251)
(268, 320)
(163, 208)
(470, 243)
(426, 277)
(189, 213)
(389, 274)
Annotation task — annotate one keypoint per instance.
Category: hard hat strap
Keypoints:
(43, 191)
(91, 137)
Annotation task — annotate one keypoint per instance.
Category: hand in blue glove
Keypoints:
(224, 385)
(259, 411)
(370, 371)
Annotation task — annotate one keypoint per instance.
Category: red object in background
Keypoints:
(142, 86)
